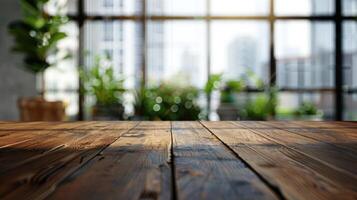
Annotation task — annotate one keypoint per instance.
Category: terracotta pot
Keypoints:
(38, 109)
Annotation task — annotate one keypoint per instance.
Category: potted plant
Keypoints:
(308, 111)
(36, 37)
(227, 109)
(107, 89)
(263, 105)
(167, 102)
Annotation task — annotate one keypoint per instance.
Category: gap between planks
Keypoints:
(306, 162)
(274, 188)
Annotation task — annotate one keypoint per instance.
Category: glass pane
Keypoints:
(175, 7)
(349, 7)
(305, 106)
(350, 69)
(63, 77)
(350, 107)
(305, 54)
(239, 47)
(304, 7)
(350, 54)
(177, 52)
(239, 7)
(121, 41)
(113, 7)
(65, 7)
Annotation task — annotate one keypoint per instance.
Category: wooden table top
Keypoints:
(178, 160)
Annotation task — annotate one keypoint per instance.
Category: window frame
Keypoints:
(337, 18)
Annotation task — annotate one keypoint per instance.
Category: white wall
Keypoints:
(14, 81)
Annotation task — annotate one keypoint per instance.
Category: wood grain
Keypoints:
(24, 146)
(178, 160)
(136, 166)
(345, 138)
(337, 158)
(38, 178)
(286, 169)
(319, 156)
(206, 169)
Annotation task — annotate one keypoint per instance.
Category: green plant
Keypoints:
(262, 107)
(37, 35)
(100, 81)
(306, 108)
(228, 88)
(231, 87)
(168, 102)
(213, 83)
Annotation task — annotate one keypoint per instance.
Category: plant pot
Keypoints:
(108, 112)
(38, 109)
(227, 112)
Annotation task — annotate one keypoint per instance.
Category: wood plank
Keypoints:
(136, 166)
(206, 169)
(187, 125)
(345, 138)
(220, 124)
(59, 125)
(38, 146)
(325, 124)
(337, 158)
(38, 178)
(333, 161)
(22, 134)
(281, 166)
(146, 125)
(34, 125)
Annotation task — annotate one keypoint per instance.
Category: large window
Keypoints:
(308, 48)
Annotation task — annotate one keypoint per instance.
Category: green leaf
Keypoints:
(36, 34)
(35, 22)
(30, 8)
(213, 80)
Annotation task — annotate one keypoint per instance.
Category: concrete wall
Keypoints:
(14, 81)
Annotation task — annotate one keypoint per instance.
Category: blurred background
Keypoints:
(178, 60)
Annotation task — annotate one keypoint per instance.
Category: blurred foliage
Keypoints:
(227, 88)
(261, 107)
(306, 108)
(99, 80)
(213, 83)
(230, 88)
(168, 102)
(37, 35)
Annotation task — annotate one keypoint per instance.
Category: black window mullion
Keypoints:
(272, 64)
(338, 62)
(144, 21)
(80, 23)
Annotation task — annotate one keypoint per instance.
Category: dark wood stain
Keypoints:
(178, 160)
